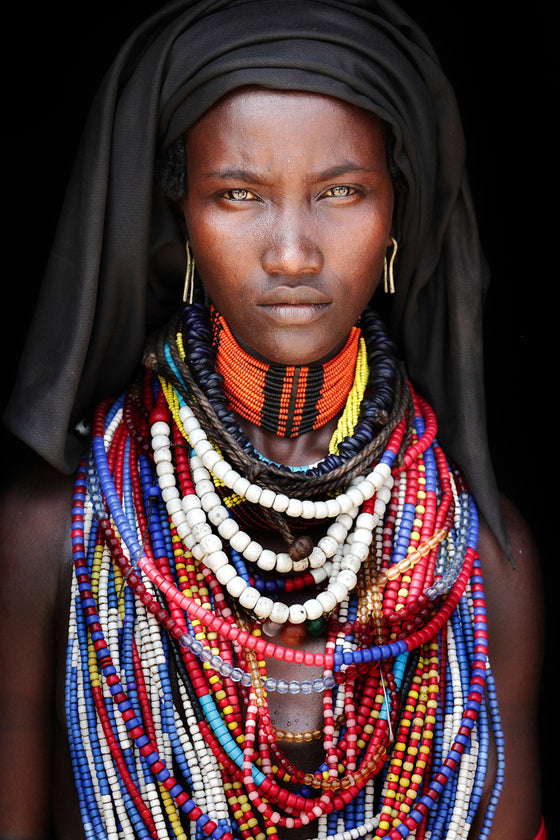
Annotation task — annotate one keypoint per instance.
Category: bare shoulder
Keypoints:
(35, 506)
(514, 603)
(513, 589)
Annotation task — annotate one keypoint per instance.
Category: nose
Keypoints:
(292, 249)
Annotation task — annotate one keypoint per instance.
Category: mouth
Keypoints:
(294, 296)
(294, 306)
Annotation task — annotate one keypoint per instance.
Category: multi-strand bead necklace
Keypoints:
(175, 607)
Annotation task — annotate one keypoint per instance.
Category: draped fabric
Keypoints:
(117, 265)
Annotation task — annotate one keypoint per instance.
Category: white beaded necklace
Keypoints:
(337, 557)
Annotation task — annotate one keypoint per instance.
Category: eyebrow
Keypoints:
(345, 168)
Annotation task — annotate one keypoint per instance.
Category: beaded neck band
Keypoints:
(287, 400)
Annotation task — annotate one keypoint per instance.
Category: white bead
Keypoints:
(173, 505)
(321, 510)
(313, 609)
(333, 508)
(279, 613)
(308, 509)
(345, 520)
(352, 562)
(160, 441)
(204, 486)
(365, 520)
(337, 532)
(345, 503)
(195, 463)
(360, 550)
(183, 531)
(376, 477)
(241, 486)
(249, 597)
(201, 530)
(169, 493)
(199, 474)
(267, 497)
(263, 607)
(185, 413)
(300, 565)
(210, 543)
(281, 503)
(196, 436)
(283, 563)
(197, 552)
(366, 488)
(321, 574)
(164, 468)
(363, 535)
(218, 514)
(267, 560)
(328, 601)
(348, 579)
(160, 427)
(195, 517)
(216, 560)
(210, 459)
(328, 545)
(191, 502)
(236, 586)
(356, 496)
(253, 551)
(338, 590)
(230, 477)
(384, 494)
(379, 508)
(163, 454)
(294, 508)
(190, 423)
(220, 469)
(297, 614)
(203, 447)
(240, 541)
(224, 574)
(210, 500)
(166, 481)
(228, 528)
(253, 494)
(316, 558)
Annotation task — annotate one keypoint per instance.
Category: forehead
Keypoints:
(290, 128)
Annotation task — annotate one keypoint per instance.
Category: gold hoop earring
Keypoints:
(388, 277)
(188, 291)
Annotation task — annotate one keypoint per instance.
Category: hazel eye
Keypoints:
(239, 194)
(340, 191)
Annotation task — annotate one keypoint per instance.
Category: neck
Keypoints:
(286, 401)
(300, 451)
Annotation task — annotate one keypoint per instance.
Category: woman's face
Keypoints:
(288, 210)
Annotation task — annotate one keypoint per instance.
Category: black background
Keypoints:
(503, 67)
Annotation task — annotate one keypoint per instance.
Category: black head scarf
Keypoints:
(117, 265)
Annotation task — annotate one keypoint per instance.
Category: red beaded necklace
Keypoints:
(287, 400)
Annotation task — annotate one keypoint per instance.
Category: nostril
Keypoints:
(291, 256)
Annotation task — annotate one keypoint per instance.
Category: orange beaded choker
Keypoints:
(287, 400)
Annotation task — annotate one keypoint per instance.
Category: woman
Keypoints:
(287, 549)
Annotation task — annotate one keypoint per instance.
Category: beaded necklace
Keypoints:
(167, 687)
(287, 400)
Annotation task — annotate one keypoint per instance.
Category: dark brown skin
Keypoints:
(280, 242)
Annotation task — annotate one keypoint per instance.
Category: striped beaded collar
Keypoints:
(286, 400)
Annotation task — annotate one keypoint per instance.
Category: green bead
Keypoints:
(315, 626)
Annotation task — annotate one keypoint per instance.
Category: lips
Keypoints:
(294, 296)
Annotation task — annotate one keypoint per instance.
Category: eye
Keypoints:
(339, 191)
(239, 194)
